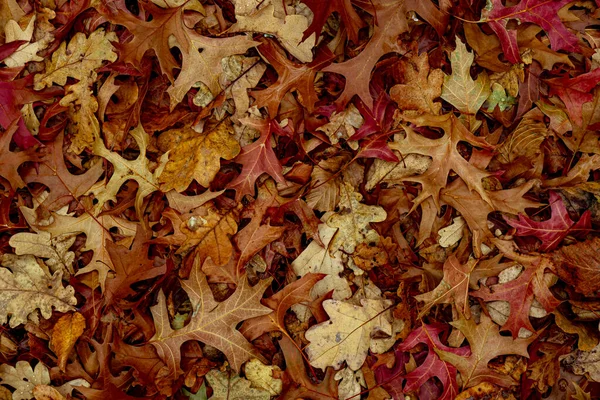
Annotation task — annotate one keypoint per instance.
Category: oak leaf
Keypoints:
(196, 156)
(475, 210)
(54, 249)
(519, 293)
(317, 259)
(12, 160)
(551, 232)
(25, 287)
(96, 230)
(351, 19)
(257, 158)
(65, 334)
(540, 12)
(27, 51)
(431, 367)
(213, 323)
(453, 289)
(124, 170)
(292, 294)
(390, 23)
(64, 186)
(150, 35)
(288, 30)
(474, 368)
(346, 336)
(579, 265)
(291, 76)
(353, 222)
(422, 86)
(130, 266)
(206, 230)
(30, 383)
(227, 386)
(202, 63)
(79, 60)
(445, 156)
(575, 92)
(459, 89)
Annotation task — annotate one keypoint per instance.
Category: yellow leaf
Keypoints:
(197, 156)
(65, 333)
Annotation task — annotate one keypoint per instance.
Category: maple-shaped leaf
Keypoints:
(459, 89)
(292, 293)
(431, 367)
(124, 170)
(474, 368)
(202, 63)
(150, 35)
(64, 186)
(579, 265)
(96, 229)
(540, 12)
(196, 156)
(291, 76)
(453, 289)
(213, 323)
(519, 293)
(575, 92)
(552, 231)
(445, 156)
(390, 23)
(130, 266)
(322, 11)
(256, 158)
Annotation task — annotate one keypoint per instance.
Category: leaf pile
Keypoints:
(342, 199)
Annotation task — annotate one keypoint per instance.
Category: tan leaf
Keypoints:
(25, 287)
(288, 30)
(422, 86)
(353, 221)
(346, 336)
(227, 386)
(54, 250)
(124, 170)
(26, 52)
(65, 333)
(261, 376)
(213, 323)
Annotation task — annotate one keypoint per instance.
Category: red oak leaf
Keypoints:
(575, 92)
(431, 367)
(257, 158)
(540, 12)
(322, 10)
(551, 232)
(377, 127)
(291, 76)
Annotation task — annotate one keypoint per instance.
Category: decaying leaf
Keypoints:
(26, 287)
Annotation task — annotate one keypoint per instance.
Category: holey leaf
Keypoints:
(212, 323)
(25, 287)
